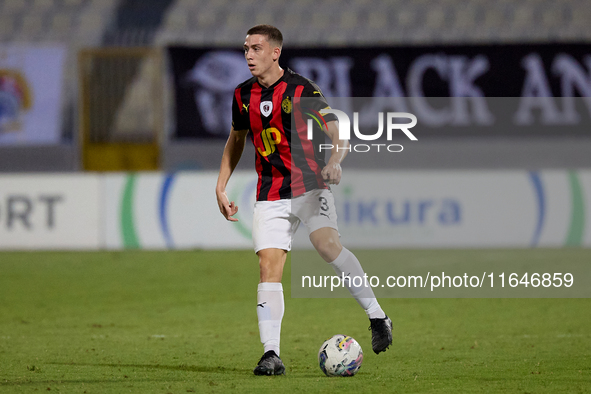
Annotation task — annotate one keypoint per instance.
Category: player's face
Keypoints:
(260, 55)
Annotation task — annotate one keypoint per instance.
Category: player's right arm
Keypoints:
(232, 153)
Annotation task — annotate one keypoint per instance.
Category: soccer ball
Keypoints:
(340, 355)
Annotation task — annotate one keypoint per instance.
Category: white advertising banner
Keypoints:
(31, 79)
(53, 211)
(175, 211)
(460, 209)
(398, 209)
(415, 209)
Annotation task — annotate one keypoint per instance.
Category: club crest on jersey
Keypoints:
(266, 108)
(286, 105)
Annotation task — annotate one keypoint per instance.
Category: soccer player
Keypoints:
(292, 187)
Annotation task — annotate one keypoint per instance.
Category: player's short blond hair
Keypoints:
(272, 34)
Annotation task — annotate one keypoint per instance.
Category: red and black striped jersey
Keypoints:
(288, 164)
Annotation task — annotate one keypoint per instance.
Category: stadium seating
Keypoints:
(331, 22)
(202, 22)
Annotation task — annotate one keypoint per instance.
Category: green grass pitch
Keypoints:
(178, 322)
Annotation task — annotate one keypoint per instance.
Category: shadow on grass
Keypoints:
(55, 382)
(181, 367)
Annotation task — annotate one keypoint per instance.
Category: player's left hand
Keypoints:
(332, 173)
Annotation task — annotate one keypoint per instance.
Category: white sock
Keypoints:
(348, 264)
(270, 309)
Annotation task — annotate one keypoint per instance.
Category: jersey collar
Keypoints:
(285, 71)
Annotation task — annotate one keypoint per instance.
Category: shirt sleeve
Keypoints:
(240, 119)
(319, 103)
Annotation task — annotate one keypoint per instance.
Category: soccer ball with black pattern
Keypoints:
(340, 355)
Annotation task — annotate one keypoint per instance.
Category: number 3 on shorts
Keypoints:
(323, 203)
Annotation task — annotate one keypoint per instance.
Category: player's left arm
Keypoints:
(333, 171)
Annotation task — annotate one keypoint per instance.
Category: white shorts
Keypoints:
(275, 222)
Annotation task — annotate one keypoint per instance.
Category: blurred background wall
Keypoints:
(118, 84)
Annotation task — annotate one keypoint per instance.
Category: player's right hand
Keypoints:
(227, 208)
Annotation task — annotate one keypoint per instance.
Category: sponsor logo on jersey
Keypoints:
(271, 137)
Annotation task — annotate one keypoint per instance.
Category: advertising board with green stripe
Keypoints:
(174, 211)
(388, 209)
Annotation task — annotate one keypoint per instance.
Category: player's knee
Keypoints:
(270, 272)
(271, 267)
(266, 264)
(328, 248)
